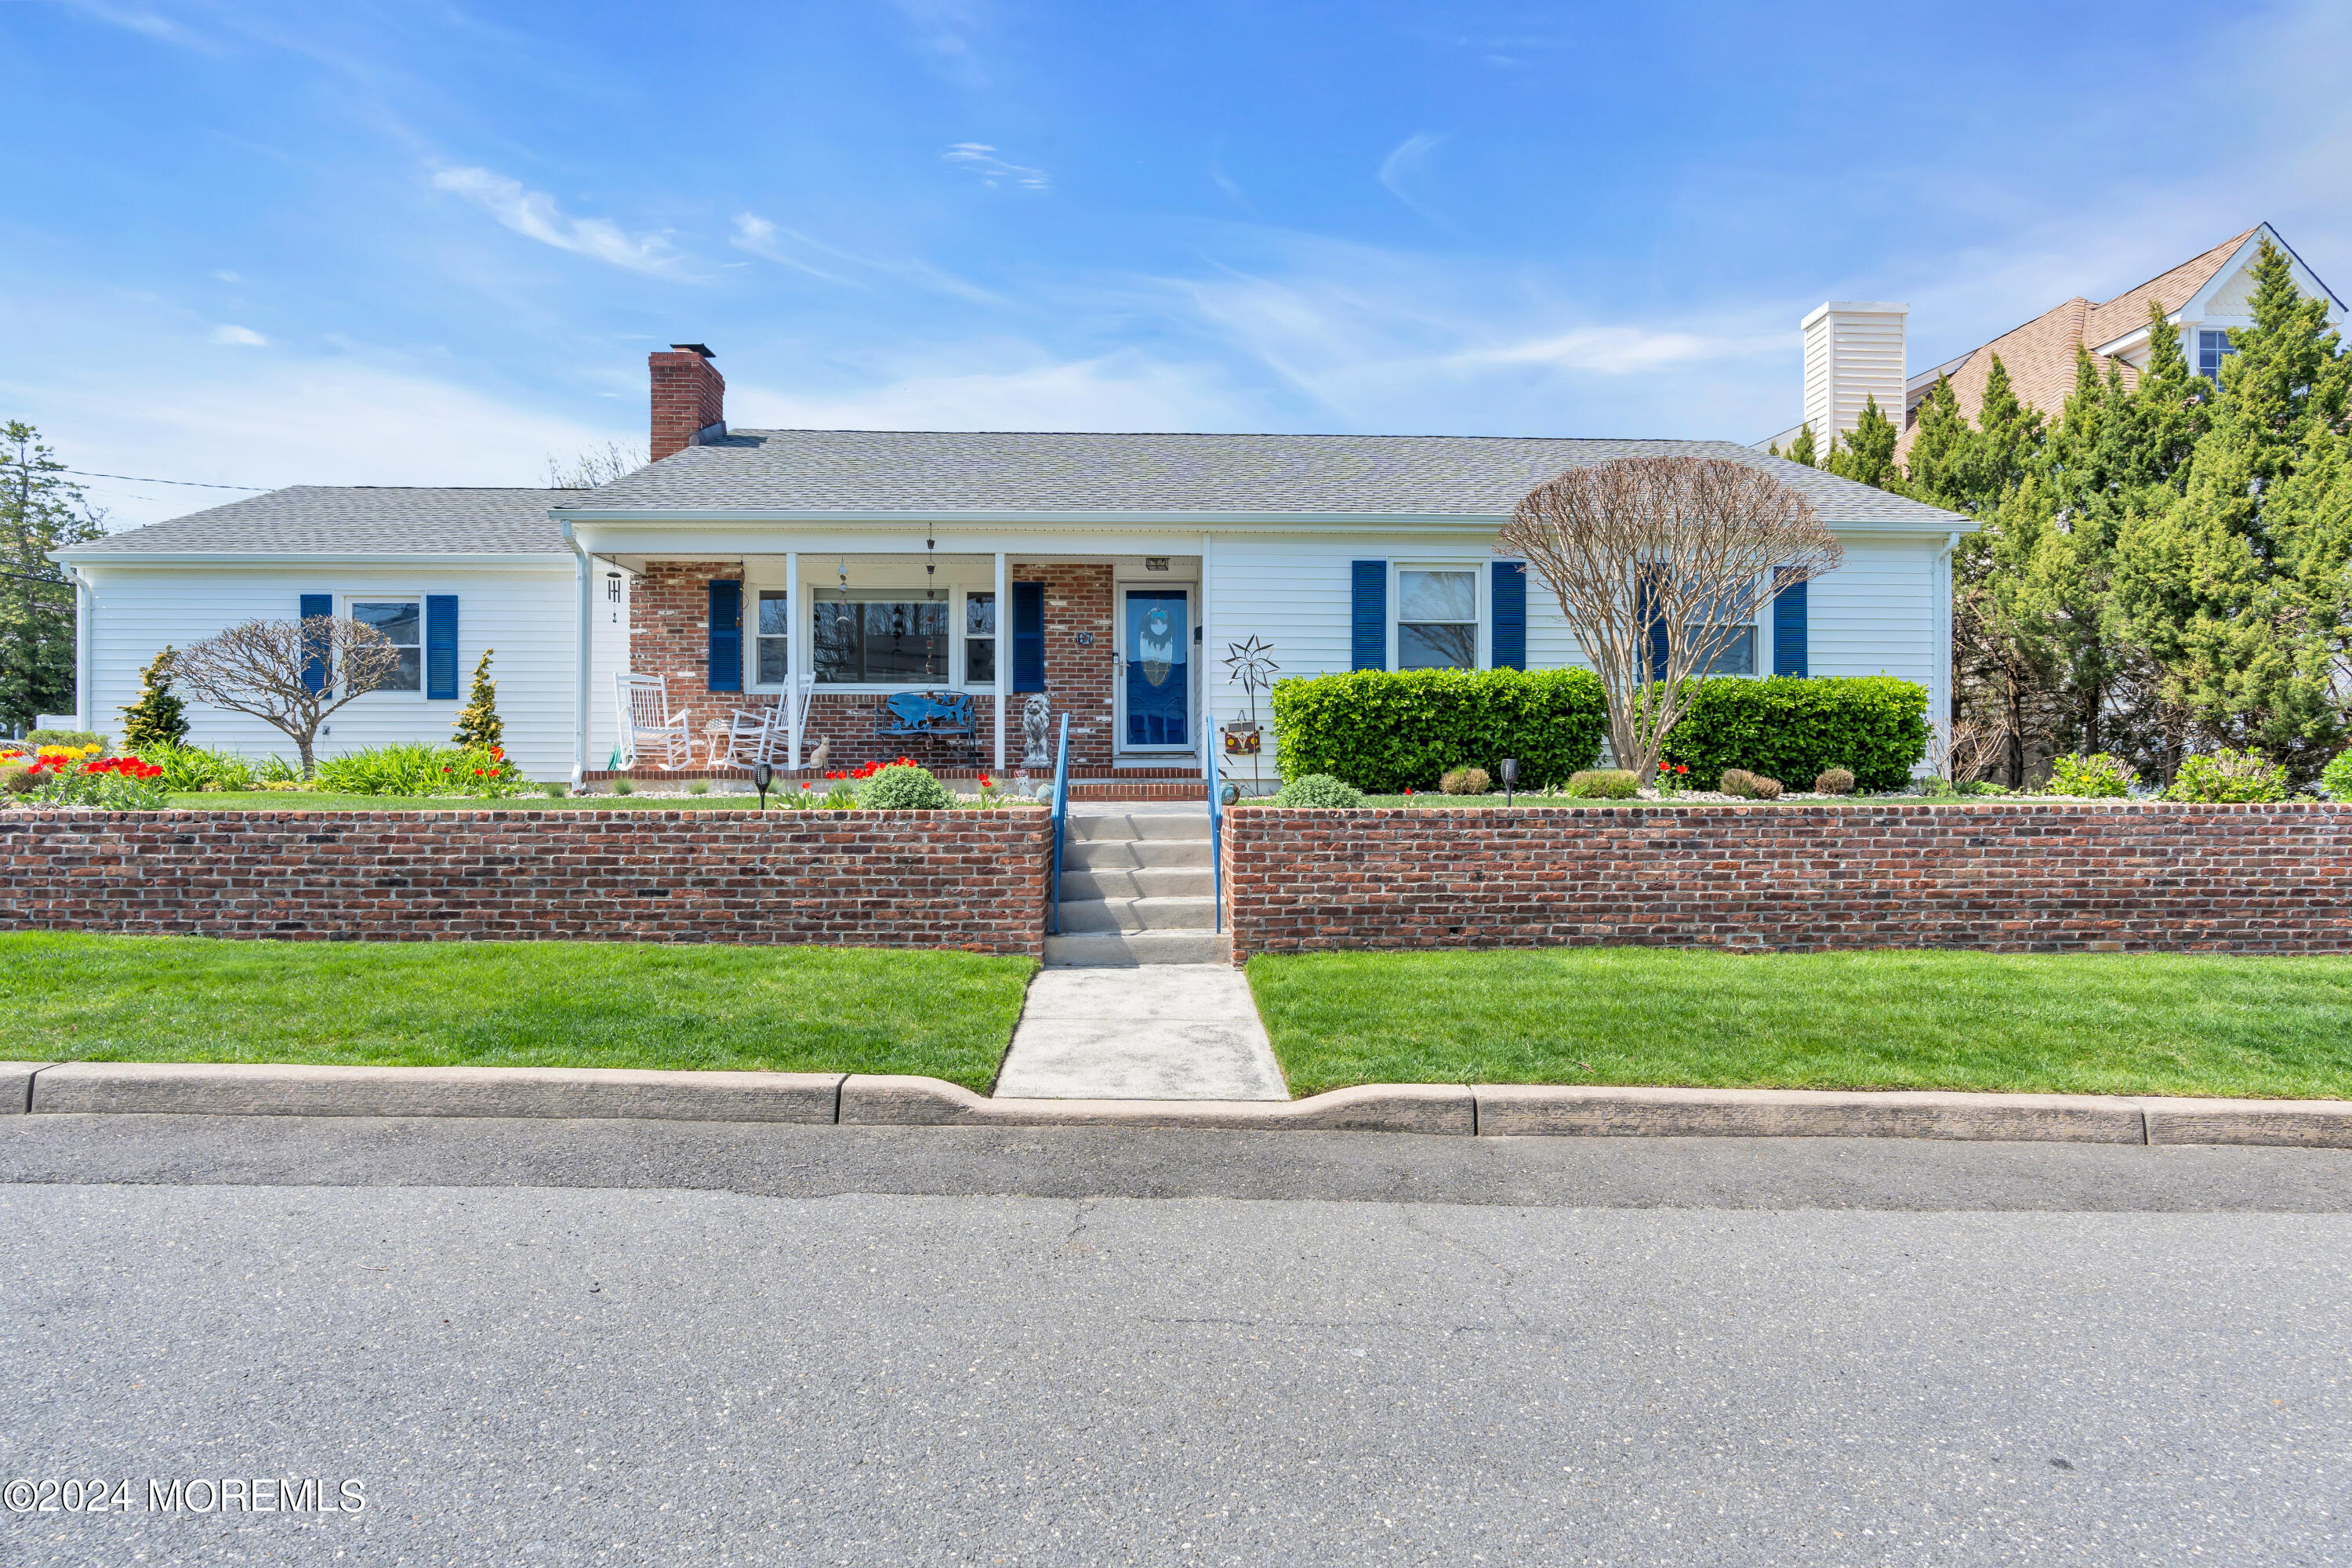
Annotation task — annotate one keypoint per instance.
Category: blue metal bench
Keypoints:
(938, 714)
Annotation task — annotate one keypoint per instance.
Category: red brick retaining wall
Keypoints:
(2044, 878)
(974, 880)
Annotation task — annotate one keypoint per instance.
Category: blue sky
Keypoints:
(314, 243)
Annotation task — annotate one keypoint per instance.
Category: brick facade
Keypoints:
(670, 636)
(974, 880)
(2002, 877)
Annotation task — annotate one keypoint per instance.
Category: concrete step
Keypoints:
(1128, 855)
(1149, 883)
(1138, 914)
(1131, 950)
(1094, 827)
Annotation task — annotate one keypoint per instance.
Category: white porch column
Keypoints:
(793, 670)
(85, 652)
(1003, 653)
(584, 642)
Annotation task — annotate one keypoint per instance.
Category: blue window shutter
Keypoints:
(1368, 623)
(314, 648)
(1028, 637)
(441, 647)
(1656, 622)
(726, 634)
(1789, 630)
(1510, 615)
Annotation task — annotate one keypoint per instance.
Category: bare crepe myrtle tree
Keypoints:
(266, 668)
(1662, 555)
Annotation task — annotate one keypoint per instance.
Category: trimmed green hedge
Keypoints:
(1387, 731)
(1794, 730)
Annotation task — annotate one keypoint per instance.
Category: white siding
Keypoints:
(526, 615)
(1852, 353)
(1877, 614)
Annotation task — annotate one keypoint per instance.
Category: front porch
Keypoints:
(824, 641)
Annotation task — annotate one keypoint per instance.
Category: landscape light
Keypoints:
(1509, 768)
(764, 774)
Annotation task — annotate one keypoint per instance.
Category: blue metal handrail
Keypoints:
(1216, 816)
(1061, 828)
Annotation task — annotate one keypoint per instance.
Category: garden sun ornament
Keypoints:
(1253, 668)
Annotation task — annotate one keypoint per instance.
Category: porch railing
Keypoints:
(1061, 827)
(1216, 814)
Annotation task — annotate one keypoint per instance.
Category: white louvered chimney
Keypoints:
(1853, 351)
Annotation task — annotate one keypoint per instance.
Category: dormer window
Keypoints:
(2212, 347)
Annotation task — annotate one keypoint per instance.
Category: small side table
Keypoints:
(716, 735)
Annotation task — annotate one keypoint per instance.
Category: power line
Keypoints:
(136, 480)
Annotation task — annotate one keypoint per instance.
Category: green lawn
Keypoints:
(2075, 1024)
(510, 1003)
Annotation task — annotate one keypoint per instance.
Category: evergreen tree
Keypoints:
(2230, 581)
(1868, 454)
(479, 727)
(39, 511)
(1801, 449)
(157, 718)
(2009, 437)
(1940, 449)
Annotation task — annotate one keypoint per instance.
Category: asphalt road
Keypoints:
(633, 1344)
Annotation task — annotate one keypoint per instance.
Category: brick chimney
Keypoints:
(689, 399)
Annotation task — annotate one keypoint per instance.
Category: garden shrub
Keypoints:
(902, 786)
(1318, 790)
(2099, 776)
(38, 738)
(1874, 726)
(1604, 784)
(187, 768)
(1387, 731)
(2337, 777)
(17, 778)
(2227, 776)
(1747, 785)
(1835, 781)
(418, 769)
(1466, 781)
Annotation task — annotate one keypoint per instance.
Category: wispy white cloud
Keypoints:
(971, 389)
(534, 214)
(943, 33)
(1409, 164)
(1616, 350)
(239, 337)
(982, 159)
(138, 19)
(789, 247)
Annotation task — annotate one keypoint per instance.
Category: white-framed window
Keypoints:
(773, 632)
(401, 618)
(897, 641)
(1437, 618)
(2212, 347)
(980, 638)
(1732, 614)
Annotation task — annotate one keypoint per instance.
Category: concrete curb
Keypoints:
(17, 1086)
(885, 1101)
(238, 1088)
(1488, 1110)
(1510, 1110)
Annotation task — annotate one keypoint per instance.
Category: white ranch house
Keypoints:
(826, 570)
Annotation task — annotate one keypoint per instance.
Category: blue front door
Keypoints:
(1156, 633)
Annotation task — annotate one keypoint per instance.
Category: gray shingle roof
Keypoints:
(363, 520)
(923, 471)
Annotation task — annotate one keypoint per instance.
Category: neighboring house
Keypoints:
(1854, 351)
(1108, 571)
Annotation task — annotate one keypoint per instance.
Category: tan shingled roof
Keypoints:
(2040, 355)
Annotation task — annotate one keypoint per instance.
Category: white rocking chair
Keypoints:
(648, 727)
(758, 735)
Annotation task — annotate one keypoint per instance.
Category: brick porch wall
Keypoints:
(670, 636)
(974, 880)
(2026, 878)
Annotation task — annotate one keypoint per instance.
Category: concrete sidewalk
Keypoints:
(1187, 1031)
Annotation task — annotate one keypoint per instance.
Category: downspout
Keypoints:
(85, 656)
(584, 641)
(1943, 569)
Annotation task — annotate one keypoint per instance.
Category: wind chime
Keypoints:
(931, 596)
